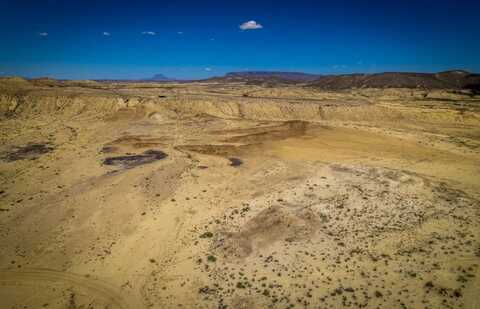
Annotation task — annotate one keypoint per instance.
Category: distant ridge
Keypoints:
(455, 79)
(294, 76)
(442, 80)
(154, 78)
(266, 77)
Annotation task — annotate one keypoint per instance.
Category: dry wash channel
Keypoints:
(198, 196)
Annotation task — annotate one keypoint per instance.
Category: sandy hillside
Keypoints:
(227, 195)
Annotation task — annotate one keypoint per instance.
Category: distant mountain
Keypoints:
(456, 79)
(442, 80)
(294, 76)
(159, 78)
(154, 78)
(266, 77)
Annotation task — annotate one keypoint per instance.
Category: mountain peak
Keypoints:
(159, 77)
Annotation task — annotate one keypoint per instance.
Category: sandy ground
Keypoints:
(196, 196)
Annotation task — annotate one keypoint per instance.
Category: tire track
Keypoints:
(96, 289)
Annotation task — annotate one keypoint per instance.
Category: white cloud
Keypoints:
(250, 25)
(43, 34)
(208, 69)
(149, 33)
(105, 33)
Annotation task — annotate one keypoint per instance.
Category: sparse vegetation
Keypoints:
(354, 198)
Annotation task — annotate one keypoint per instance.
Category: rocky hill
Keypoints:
(442, 80)
(456, 79)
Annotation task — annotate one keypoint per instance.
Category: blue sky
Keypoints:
(197, 39)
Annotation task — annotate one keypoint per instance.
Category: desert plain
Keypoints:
(235, 195)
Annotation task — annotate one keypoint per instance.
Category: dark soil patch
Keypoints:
(235, 162)
(108, 149)
(131, 161)
(28, 152)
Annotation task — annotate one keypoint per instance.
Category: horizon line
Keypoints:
(239, 71)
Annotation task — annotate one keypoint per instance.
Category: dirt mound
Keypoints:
(134, 142)
(13, 79)
(247, 137)
(270, 225)
(258, 135)
(45, 82)
(217, 150)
